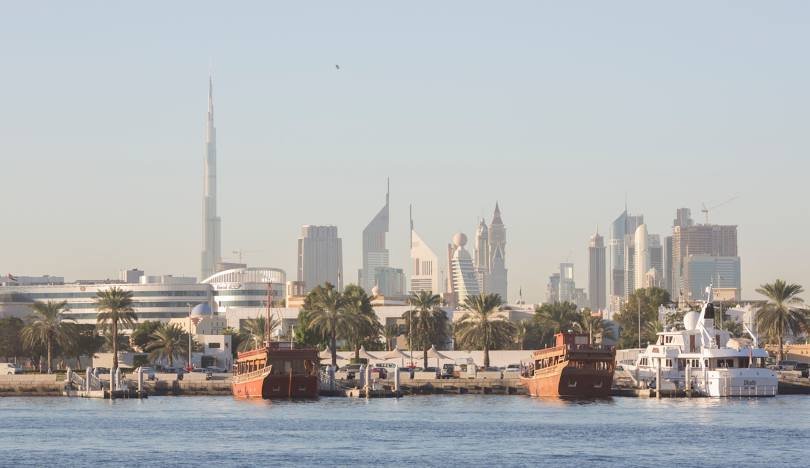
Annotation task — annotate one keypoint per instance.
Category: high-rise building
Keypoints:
(597, 281)
(567, 283)
(389, 282)
(497, 279)
(212, 224)
(668, 266)
(629, 265)
(482, 256)
(424, 265)
(375, 254)
(642, 259)
(703, 270)
(655, 255)
(320, 257)
(553, 289)
(621, 229)
(462, 280)
(701, 240)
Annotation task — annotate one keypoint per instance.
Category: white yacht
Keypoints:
(705, 360)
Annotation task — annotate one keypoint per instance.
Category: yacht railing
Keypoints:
(252, 375)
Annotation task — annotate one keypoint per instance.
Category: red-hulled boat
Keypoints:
(278, 370)
(573, 367)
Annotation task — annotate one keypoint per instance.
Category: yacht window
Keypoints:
(669, 363)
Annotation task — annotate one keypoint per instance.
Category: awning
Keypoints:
(365, 354)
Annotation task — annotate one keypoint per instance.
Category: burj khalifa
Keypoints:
(212, 241)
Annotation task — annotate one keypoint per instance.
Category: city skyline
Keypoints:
(115, 139)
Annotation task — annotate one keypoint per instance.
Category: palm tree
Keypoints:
(479, 327)
(253, 332)
(365, 329)
(426, 321)
(390, 332)
(559, 316)
(328, 315)
(594, 326)
(781, 313)
(49, 327)
(168, 342)
(115, 312)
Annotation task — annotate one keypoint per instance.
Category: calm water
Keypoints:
(429, 430)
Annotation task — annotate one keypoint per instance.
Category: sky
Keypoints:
(560, 111)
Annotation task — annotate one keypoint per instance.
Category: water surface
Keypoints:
(421, 430)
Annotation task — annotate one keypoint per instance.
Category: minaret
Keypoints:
(212, 246)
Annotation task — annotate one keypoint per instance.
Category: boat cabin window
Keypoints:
(668, 339)
(668, 363)
(642, 361)
(692, 347)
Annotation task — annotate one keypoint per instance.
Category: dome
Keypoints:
(690, 320)
(460, 239)
(202, 309)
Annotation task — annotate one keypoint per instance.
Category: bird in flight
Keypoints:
(337, 67)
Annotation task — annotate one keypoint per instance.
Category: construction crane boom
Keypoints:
(706, 210)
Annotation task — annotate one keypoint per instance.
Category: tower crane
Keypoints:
(706, 210)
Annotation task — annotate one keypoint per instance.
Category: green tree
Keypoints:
(480, 327)
(49, 327)
(781, 314)
(559, 316)
(167, 343)
(366, 329)
(11, 344)
(254, 332)
(115, 312)
(390, 332)
(306, 335)
(595, 327)
(328, 315)
(140, 335)
(426, 321)
(86, 342)
(647, 301)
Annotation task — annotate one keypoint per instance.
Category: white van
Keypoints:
(7, 368)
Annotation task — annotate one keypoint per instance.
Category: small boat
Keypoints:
(278, 370)
(572, 368)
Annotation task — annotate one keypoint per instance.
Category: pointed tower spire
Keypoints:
(496, 217)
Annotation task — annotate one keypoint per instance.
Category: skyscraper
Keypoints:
(567, 284)
(642, 260)
(482, 255)
(320, 257)
(462, 280)
(424, 265)
(212, 224)
(375, 254)
(703, 240)
(597, 281)
(553, 289)
(622, 229)
(497, 257)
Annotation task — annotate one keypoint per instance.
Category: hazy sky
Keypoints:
(555, 109)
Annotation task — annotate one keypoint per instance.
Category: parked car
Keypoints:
(787, 365)
(511, 371)
(804, 368)
(7, 368)
(448, 371)
(148, 372)
(217, 370)
(349, 371)
(382, 372)
(101, 371)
